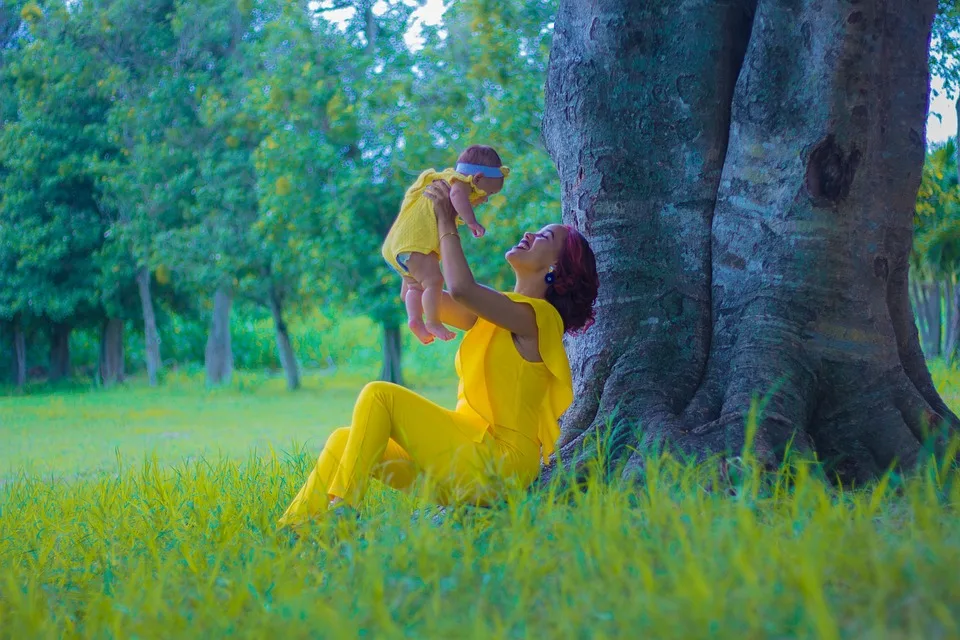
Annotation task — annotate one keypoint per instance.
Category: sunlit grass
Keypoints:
(191, 551)
(64, 433)
(148, 550)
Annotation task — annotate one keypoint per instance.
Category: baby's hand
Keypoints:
(477, 229)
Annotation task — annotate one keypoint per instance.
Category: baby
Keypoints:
(412, 246)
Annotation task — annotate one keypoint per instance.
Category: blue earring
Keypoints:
(549, 278)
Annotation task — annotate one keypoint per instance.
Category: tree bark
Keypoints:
(288, 360)
(746, 173)
(111, 352)
(151, 338)
(19, 355)
(392, 351)
(219, 353)
(59, 352)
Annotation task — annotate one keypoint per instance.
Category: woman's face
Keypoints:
(538, 251)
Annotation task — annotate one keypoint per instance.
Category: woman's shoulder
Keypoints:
(547, 315)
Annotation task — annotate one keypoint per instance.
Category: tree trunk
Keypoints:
(19, 355)
(219, 353)
(746, 172)
(392, 350)
(288, 360)
(923, 306)
(151, 339)
(953, 328)
(947, 288)
(934, 319)
(59, 352)
(111, 352)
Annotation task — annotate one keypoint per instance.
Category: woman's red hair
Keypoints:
(575, 283)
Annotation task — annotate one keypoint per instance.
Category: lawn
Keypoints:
(189, 550)
(81, 431)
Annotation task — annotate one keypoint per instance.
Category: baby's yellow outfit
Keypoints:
(415, 229)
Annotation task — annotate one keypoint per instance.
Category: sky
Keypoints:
(941, 123)
(937, 130)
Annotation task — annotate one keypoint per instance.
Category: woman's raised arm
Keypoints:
(454, 314)
(491, 305)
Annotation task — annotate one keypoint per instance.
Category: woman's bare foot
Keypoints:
(420, 330)
(440, 331)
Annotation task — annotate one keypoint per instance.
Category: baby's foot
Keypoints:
(440, 331)
(420, 330)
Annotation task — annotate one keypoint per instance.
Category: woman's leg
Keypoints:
(437, 440)
(395, 433)
(395, 469)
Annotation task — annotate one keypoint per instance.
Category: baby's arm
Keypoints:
(460, 199)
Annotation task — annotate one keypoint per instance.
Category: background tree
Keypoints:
(11, 319)
(49, 199)
(935, 260)
(146, 187)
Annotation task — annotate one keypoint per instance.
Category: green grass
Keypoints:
(82, 431)
(150, 550)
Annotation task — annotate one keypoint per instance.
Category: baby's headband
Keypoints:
(468, 169)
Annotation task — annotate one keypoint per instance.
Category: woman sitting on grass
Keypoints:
(514, 383)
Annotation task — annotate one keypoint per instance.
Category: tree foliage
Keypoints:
(264, 147)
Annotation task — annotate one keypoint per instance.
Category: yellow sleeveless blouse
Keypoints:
(415, 228)
(507, 392)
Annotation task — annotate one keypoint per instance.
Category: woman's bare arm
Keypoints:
(455, 314)
(491, 305)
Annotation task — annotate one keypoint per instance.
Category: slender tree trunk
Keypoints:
(925, 303)
(111, 352)
(948, 309)
(151, 338)
(918, 305)
(392, 351)
(953, 329)
(19, 354)
(59, 351)
(288, 359)
(934, 318)
(219, 353)
(749, 192)
(371, 22)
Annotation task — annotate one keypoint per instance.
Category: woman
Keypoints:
(514, 383)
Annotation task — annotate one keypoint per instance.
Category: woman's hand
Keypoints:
(438, 192)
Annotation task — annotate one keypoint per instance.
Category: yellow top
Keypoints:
(415, 229)
(507, 392)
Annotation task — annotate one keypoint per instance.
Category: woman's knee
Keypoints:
(337, 441)
(376, 392)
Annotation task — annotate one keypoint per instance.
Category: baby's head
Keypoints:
(483, 159)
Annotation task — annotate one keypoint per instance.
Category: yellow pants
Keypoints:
(395, 436)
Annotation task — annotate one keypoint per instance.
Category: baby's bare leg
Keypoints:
(426, 270)
(412, 293)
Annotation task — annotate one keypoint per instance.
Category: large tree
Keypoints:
(48, 209)
(747, 173)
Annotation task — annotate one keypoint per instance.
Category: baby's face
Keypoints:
(488, 185)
